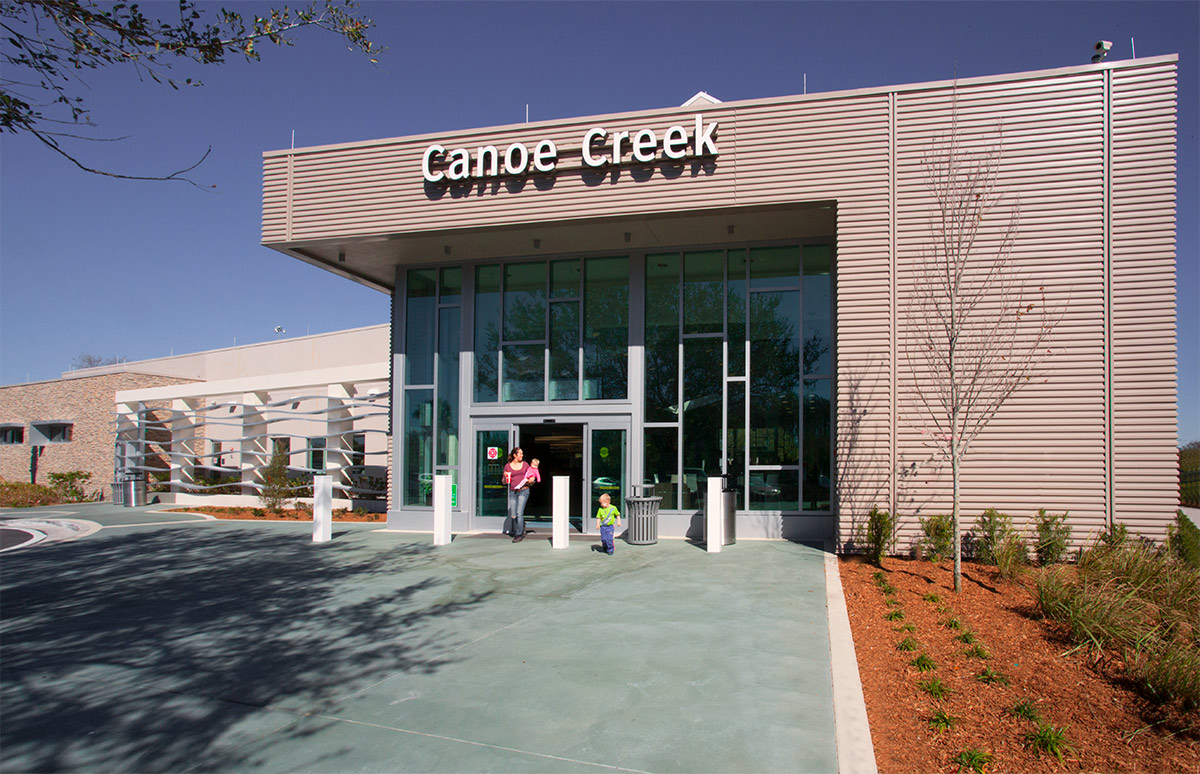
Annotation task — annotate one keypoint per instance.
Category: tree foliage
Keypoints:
(48, 46)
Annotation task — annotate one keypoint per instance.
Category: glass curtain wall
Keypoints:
(739, 367)
(552, 330)
(433, 315)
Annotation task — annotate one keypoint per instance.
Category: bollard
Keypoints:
(714, 524)
(322, 509)
(562, 500)
(441, 510)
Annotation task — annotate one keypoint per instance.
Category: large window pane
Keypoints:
(449, 326)
(737, 312)
(774, 378)
(703, 296)
(564, 350)
(817, 455)
(662, 474)
(774, 490)
(662, 337)
(774, 267)
(487, 332)
(735, 440)
(418, 447)
(524, 372)
(606, 329)
(564, 278)
(451, 290)
(525, 302)
(701, 417)
(818, 310)
(420, 313)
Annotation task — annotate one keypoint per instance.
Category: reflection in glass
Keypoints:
(774, 267)
(737, 312)
(735, 440)
(818, 310)
(525, 302)
(703, 297)
(491, 494)
(817, 443)
(662, 337)
(608, 468)
(774, 490)
(420, 313)
(524, 372)
(662, 449)
(606, 329)
(774, 378)
(418, 447)
(701, 417)
(487, 332)
(447, 385)
(564, 350)
(564, 278)
(451, 285)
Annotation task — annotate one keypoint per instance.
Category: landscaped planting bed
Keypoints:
(1017, 691)
(282, 514)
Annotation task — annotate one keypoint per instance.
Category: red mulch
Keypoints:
(1110, 727)
(284, 514)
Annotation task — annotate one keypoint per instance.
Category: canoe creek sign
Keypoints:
(599, 148)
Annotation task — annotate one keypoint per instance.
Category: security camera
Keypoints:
(1102, 48)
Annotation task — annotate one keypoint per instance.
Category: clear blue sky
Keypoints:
(141, 269)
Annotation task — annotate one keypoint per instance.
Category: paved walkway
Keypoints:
(165, 643)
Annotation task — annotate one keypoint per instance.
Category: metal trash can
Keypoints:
(729, 513)
(135, 492)
(642, 513)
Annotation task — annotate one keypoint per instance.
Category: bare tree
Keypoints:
(975, 337)
(91, 360)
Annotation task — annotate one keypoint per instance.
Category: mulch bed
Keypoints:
(284, 514)
(1110, 727)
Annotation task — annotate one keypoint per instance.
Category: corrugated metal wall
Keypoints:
(1095, 436)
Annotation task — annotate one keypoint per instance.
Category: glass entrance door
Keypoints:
(491, 452)
(608, 466)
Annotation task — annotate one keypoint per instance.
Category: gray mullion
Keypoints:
(679, 386)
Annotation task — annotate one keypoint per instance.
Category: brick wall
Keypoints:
(88, 403)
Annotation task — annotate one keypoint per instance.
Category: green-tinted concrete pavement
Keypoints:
(206, 646)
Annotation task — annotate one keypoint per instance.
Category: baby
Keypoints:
(532, 476)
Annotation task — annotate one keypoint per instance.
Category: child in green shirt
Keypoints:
(606, 517)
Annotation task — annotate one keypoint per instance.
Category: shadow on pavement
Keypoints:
(159, 650)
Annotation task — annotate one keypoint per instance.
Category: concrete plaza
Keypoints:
(165, 643)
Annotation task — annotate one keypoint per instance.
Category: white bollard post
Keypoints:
(322, 509)
(441, 510)
(562, 508)
(714, 533)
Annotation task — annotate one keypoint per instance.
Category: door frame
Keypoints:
(511, 424)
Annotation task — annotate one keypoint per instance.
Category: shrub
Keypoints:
(1183, 540)
(931, 597)
(942, 721)
(895, 615)
(1025, 710)
(973, 759)
(1049, 739)
(1189, 474)
(935, 688)
(71, 487)
(880, 535)
(905, 628)
(952, 623)
(1053, 536)
(988, 677)
(978, 651)
(1139, 601)
(924, 663)
(938, 537)
(967, 637)
(17, 494)
(275, 493)
(908, 644)
(999, 543)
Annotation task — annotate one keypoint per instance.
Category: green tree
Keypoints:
(48, 45)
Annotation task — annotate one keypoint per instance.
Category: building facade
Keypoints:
(647, 300)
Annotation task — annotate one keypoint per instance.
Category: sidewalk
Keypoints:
(206, 646)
